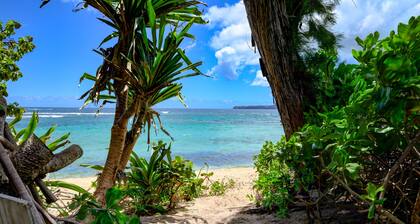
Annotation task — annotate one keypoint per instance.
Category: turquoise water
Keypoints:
(217, 137)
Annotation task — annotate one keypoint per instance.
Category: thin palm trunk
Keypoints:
(130, 142)
(118, 134)
(131, 139)
(273, 36)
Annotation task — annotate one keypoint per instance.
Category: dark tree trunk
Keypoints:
(273, 36)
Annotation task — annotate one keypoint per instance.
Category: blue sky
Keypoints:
(64, 41)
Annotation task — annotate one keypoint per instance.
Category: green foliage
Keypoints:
(158, 184)
(366, 113)
(11, 51)
(219, 187)
(112, 212)
(85, 206)
(274, 179)
(372, 193)
(24, 134)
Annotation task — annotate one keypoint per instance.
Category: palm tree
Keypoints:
(283, 32)
(115, 80)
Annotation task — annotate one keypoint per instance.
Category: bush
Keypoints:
(219, 187)
(158, 184)
(349, 145)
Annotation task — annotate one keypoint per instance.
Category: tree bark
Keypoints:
(131, 140)
(31, 158)
(273, 36)
(63, 159)
(118, 134)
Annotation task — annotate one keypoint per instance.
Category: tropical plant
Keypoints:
(219, 187)
(284, 31)
(24, 134)
(116, 81)
(158, 184)
(368, 140)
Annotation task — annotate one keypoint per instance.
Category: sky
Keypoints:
(65, 41)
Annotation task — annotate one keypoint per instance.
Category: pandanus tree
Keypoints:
(139, 71)
(283, 32)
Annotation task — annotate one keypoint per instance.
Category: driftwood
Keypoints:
(22, 168)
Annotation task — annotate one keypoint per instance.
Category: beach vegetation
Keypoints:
(140, 70)
(360, 143)
(159, 183)
(219, 187)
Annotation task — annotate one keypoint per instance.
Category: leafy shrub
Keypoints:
(84, 207)
(219, 187)
(158, 184)
(349, 144)
(274, 178)
(111, 213)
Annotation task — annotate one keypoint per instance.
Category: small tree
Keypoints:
(118, 78)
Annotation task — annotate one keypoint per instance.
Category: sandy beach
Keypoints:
(232, 207)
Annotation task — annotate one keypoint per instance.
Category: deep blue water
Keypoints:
(217, 137)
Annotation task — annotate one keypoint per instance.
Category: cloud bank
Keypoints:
(232, 39)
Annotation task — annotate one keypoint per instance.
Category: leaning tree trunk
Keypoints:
(118, 132)
(273, 36)
(131, 139)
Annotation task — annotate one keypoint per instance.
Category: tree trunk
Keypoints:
(118, 132)
(107, 178)
(130, 142)
(273, 36)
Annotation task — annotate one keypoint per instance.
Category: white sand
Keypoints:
(232, 207)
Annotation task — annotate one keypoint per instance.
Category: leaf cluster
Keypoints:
(159, 183)
(11, 51)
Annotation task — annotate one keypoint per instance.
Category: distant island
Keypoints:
(256, 107)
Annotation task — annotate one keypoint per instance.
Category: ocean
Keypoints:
(214, 137)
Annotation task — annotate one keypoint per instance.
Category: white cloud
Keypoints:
(361, 17)
(232, 40)
(260, 80)
(232, 43)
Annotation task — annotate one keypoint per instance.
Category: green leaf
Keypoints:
(151, 13)
(47, 135)
(59, 142)
(67, 185)
(353, 168)
(29, 130)
(371, 213)
(113, 196)
(95, 167)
